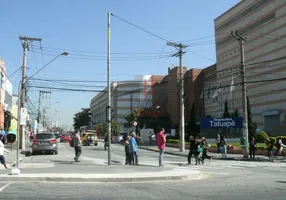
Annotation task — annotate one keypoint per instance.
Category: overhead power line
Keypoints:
(142, 29)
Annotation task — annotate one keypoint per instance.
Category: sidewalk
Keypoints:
(216, 156)
(87, 172)
(11, 156)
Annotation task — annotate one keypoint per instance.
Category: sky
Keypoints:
(80, 27)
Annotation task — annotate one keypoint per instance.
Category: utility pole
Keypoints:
(23, 85)
(242, 41)
(39, 111)
(39, 108)
(108, 108)
(179, 54)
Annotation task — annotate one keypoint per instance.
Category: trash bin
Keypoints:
(243, 143)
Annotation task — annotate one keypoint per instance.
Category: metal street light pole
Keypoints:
(108, 88)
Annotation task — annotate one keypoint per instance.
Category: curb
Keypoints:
(214, 158)
(95, 178)
(14, 163)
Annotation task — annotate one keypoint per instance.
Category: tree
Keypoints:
(102, 129)
(226, 113)
(235, 113)
(252, 126)
(192, 126)
(115, 127)
(81, 118)
(130, 118)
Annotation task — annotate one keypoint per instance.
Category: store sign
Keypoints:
(143, 104)
(148, 114)
(23, 116)
(221, 122)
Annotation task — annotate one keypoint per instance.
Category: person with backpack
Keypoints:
(106, 141)
(76, 143)
(205, 147)
(198, 149)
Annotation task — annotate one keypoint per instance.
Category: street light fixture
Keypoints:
(62, 54)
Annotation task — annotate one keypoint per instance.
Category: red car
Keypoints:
(65, 137)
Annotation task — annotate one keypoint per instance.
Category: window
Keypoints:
(242, 14)
(1, 80)
(44, 136)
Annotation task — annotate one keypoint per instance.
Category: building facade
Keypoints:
(262, 23)
(125, 97)
(2, 91)
(196, 93)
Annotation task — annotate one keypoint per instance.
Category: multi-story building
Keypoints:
(125, 96)
(196, 84)
(2, 90)
(262, 23)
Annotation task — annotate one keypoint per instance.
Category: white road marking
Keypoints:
(3, 187)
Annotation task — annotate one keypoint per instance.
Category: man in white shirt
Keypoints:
(2, 149)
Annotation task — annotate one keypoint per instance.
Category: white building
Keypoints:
(262, 23)
(125, 96)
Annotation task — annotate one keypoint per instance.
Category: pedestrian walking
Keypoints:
(106, 141)
(223, 146)
(161, 144)
(192, 149)
(2, 150)
(252, 148)
(134, 149)
(77, 146)
(128, 155)
(270, 146)
(205, 146)
(279, 146)
(198, 150)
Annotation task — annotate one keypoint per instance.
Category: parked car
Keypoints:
(65, 137)
(44, 142)
(121, 138)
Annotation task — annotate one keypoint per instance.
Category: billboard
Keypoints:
(221, 122)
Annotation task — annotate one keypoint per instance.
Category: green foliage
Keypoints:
(130, 118)
(102, 129)
(115, 127)
(235, 113)
(226, 113)
(261, 137)
(272, 139)
(173, 141)
(252, 126)
(81, 118)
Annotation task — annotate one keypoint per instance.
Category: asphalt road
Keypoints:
(222, 180)
(259, 186)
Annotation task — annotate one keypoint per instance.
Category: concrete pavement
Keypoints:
(11, 156)
(93, 167)
(244, 185)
